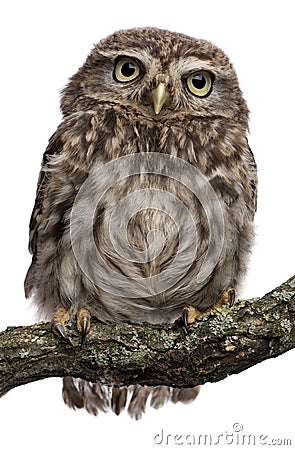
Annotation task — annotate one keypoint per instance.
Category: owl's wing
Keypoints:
(253, 181)
(54, 147)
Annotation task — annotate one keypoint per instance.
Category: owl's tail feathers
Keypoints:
(119, 399)
(185, 395)
(95, 397)
(72, 393)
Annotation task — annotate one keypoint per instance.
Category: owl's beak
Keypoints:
(159, 96)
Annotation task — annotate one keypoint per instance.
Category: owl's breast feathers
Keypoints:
(86, 142)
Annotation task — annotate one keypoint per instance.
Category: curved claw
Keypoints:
(59, 329)
(84, 330)
(58, 320)
(83, 323)
(227, 298)
(185, 316)
(232, 297)
(189, 315)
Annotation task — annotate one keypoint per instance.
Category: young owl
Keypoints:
(146, 197)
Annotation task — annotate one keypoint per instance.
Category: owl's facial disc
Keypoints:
(159, 97)
(156, 90)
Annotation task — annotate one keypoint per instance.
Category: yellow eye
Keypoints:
(126, 70)
(200, 83)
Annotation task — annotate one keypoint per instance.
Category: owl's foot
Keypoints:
(190, 313)
(58, 320)
(62, 315)
(227, 298)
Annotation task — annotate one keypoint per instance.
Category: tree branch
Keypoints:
(221, 342)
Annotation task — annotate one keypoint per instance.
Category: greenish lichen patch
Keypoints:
(283, 295)
(221, 324)
(162, 341)
(286, 325)
(97, 357)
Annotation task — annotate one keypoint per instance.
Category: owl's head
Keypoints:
(158, 75)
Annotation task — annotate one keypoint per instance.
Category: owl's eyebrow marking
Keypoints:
(191, 63)
(141, 55)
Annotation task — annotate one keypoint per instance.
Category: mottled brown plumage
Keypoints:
(174, 102)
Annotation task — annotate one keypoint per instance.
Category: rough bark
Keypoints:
(221, 342)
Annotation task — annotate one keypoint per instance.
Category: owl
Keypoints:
(146, 198)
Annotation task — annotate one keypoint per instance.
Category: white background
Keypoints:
(42, 44)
